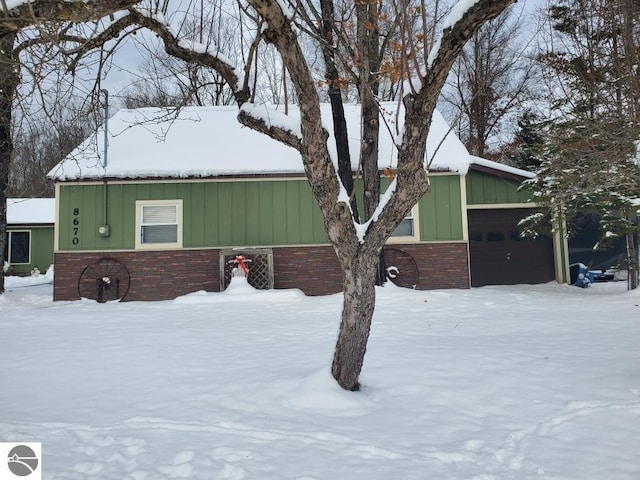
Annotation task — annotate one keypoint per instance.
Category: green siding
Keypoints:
(278, 214)
(252, 218)
(214, 213)
(82, 205)
(265, 211)
(440, 211)
(238, 213)
(293, 211)
(225, 213)
(483, 189)
(211, 231)
(41, 239)
(197, 212)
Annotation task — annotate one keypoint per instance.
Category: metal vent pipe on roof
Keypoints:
(106, 120)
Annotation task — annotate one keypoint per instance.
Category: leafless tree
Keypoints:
(489, 81)
(357, 254)
(163, 80)
(357, 246)
(44, 138)
(32, 36)
(364, 47)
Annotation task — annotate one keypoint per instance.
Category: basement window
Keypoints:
(159, 224)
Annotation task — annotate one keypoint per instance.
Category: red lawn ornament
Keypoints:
(241, 261)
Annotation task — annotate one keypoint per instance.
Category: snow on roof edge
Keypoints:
(501, 167)
(31, 211)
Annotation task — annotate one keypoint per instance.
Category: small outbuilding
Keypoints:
(176, 196)
(30, 235)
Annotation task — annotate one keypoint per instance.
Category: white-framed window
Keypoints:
(158, 224)
(408, 229)
(18, 247)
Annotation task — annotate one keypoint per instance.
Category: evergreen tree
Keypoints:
(590, 162)
(526, 150)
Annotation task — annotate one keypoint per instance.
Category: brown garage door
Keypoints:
(499, 256)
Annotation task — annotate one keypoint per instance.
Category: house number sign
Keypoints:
(75, 238)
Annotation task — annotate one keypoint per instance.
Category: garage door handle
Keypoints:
(508, 256)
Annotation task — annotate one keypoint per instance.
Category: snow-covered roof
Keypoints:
(210, 142)
(501, 167)
(31, 211)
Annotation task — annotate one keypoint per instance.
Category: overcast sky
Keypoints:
(124, 71)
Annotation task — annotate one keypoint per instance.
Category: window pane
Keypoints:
(405, 229)
(159, 214)
(159, 234)
(19, 247)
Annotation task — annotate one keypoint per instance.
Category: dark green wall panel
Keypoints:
(486, 189)
(195, 214)
(225, 211)
(265, 212)
(252, 214)
(279, 213)
(440, 211)
(293, 211)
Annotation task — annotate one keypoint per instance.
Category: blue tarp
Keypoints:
(580, 275)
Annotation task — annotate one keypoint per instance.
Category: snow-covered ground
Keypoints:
(524, 382)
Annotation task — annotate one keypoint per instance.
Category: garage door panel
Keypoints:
(500, 256)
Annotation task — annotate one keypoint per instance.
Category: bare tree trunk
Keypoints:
(359, 298)
(358, 257)
(369, 154)
(332, 76)
(368, 39)
(9, 78)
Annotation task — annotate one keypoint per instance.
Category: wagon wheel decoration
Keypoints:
(104, 280)
(400, 267)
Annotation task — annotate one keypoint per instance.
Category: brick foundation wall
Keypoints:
(154, 275)
(314, 270)
(440, 265)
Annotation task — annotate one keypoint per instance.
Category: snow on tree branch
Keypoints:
(191, 51)
(463, 20)
(18, 14)
(273, 123)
